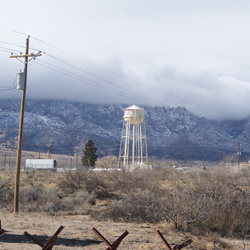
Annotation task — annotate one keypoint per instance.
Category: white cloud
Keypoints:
(188, 53)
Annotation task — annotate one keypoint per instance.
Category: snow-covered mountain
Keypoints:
(171, 132)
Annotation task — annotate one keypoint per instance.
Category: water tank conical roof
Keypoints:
(134, 115)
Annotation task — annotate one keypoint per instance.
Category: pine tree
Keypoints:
(89, 154)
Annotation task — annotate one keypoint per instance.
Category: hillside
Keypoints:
(171, 132)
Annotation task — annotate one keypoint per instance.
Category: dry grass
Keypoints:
(210, 206)
(77, 234)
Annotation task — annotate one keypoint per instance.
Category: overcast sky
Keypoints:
(188, 53)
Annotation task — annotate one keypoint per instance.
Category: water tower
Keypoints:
(133, 147)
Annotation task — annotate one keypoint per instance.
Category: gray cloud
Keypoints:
(177, 53)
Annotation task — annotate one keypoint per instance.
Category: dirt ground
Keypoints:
(78, 234)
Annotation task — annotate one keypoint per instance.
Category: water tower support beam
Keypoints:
(133, 145)
(126, 145)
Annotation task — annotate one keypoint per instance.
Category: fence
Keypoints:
(8, 161)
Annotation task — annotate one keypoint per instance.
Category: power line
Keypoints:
(19, 46)
(6, 50)
(118, 90)
(122, 76)
(15, 31)
(12, 44)
(7, 89)
(107, 70)
(71, 74)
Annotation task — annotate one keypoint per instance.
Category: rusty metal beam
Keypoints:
(2, 232)
(49, 245)
(115, 244)
(52, 240)
(101, 237)
(163, 240)
(184, 244)
(176, 247)
(119, 240)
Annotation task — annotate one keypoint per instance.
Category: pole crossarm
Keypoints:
(31, 55)
(26, 56)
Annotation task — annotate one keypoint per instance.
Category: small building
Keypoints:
(41, 164)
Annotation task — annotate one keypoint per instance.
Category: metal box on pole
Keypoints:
(20, 81)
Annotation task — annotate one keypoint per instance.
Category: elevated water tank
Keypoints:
(134, 115)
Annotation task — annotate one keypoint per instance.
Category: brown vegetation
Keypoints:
(202, 202)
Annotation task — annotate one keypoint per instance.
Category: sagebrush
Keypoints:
(200, 201)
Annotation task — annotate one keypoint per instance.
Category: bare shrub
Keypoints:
(143, 206)
(79, 202)
(6, 193)
(71, 182)
(32, 176)
(138, 197)
(33, 193)
(126, 182)
(107, 162)
(38, 198)
(210, 202)
(33, 197)
(214, 201)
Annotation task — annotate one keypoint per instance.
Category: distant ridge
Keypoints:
(171, 132)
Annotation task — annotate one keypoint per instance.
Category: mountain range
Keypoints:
(172, 133)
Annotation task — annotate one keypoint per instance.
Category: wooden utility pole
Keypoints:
(239, 154)
(5, 160)
(49, 146)
(39, 151)
(76, 154)
(20, 131)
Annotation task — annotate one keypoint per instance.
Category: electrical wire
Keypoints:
(15, 31)
(20, 46)
(106, 81)
(7, 88)
(138, 96)
(8, 50)
(12, 44)
(107, 70)
(124, 77)
(118, 89)
(142, 98)
(80, 78)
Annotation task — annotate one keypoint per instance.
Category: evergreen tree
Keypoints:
(89, 154)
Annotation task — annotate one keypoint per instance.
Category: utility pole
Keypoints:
(5, 159)
(39, 151)
(49, 145)
(20, 131)
(76, 154)
(239, 153)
